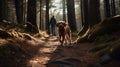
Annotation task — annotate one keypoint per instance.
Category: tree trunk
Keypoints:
(4, 9)
(71, 15)
(94, 12)
(40, 14)
(25, 11)
(107, 8)
(19, 10)
(47, 16)
(1, 10)
(64, 9)
(113, 10)
(85, 13)
(81, 7)
(119, 3)
(31, 14)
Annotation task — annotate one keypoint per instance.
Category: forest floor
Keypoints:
(45, 49)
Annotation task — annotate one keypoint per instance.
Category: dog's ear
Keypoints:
(57, 24)
(64, 24)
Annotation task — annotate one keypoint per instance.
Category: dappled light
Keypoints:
(59, 33)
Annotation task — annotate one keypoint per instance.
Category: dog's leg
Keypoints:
(69, 37)
(63, 38)
(60, 39)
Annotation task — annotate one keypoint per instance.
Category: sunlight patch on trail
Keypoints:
(48, 50)
(49, 45)
(39, 61)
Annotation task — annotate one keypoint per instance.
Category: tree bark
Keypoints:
(81, 7)
(47, 16)
(31, 14)
(84, 12)
(113, 10)
(40, 13)
(71, 15)
(64, 9)
(94, 12)
(19, 10)
(24, 11)
(107, 8)
(1, 10)
(4, 10)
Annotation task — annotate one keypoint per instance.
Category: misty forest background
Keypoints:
(77, 13)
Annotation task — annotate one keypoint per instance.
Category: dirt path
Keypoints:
(52, 50)
(44, 54)
(47, 52)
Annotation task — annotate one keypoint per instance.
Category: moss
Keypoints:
(11, 47)
(112, 48)
(105, 38)
(4, 34)
(98, 47)
(115, 50)
(108, 26)
(83, 37)
(103, 51)
(31, 28)
(27, 36)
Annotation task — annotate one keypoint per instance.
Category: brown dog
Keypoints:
(64, 32)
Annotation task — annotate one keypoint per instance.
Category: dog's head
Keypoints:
(61, 24)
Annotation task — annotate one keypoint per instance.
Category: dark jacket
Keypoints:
(52, 21)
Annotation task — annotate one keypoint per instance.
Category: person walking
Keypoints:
(53, 25)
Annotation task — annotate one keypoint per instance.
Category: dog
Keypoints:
(64, 32)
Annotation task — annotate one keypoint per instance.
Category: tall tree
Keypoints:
(47, 16)
(24, 11)
(90, 14)
(84, 15)
(64, 9)
(71, 15)
(19, 10)
(107, 8)
(113, 10)
(94, 12)
(84, 12)
(119, 3)
(81, 8)
(3, 11)
(31, 14)
(40, 14)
